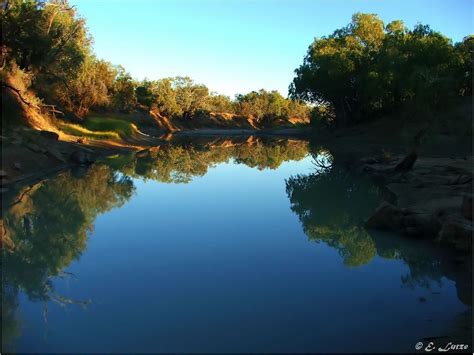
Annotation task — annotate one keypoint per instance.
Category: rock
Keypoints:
(80, 157)
(419, 224)
(17, 142)
(3, 173)
(17, 166)
(35, 148)
(407, 163)
(369, 161)
(460, 180)
(457, 232)
(85, 149)
(50, 135)
(391, 218)
(386, 217)
(466, 206)
(56, 154)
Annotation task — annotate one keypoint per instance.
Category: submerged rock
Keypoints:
(391, 218)
(458, 232)
(386, 217)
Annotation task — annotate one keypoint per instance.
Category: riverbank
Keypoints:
(213, 132)
(29, 154)
(428, 182)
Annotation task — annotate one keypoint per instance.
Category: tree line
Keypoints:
(361, 71)
(46, 48)
(367, 69)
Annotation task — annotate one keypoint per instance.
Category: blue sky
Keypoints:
(236, 46)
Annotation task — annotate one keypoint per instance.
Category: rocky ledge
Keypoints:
(429, 197)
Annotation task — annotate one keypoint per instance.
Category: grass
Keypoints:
(80, 131)
(108, 124)
(101, 128)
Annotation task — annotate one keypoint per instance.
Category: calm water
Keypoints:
(229, 246)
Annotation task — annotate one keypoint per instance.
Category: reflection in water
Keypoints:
(179, 163)
(332, 205)
(45, 229)
(45, 226)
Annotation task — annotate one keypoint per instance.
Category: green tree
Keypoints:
(123, 91)
(366, 69)
(146, 93)
(91, 88)
(165, 99)
(190, 97)
(48, 40)
(338, 223)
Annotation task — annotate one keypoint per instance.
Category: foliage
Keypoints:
(48, 226)
(180, 97)
(338, 224)
(268, 105)
(366, 69)
(49, 43)
(179, 163)
(46, 38)
(89, 89)
(123, 91)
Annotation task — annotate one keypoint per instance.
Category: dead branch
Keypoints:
(18, 92)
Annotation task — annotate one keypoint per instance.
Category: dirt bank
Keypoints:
(28, 154)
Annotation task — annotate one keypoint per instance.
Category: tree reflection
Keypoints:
(46, 229)
(179, 163)
(45, 226)
(332, 205)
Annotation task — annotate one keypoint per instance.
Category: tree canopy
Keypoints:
(368, 68)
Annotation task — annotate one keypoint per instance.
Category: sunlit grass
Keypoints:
(107, 124)
(101, 128)
(78, 130)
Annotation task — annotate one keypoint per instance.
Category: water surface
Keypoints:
(248, 246)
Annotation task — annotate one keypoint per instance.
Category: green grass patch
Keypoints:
(101, 128)
(80, 131)
(107, 124)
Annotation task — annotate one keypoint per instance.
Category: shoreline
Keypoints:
(212, 132)
(36, 155)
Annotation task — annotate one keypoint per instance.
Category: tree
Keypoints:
(91, 88)
(123, 91)
(145, 93)
(366, 69)
(46, 39)
(219, 103)
(190, 97)
(165, 99)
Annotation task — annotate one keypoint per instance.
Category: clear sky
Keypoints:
(236, 46)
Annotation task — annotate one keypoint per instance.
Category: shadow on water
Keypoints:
(45, 226)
